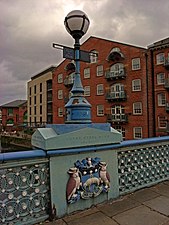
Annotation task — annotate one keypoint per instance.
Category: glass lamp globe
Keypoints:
(76, 23)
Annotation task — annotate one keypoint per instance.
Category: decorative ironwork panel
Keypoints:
(142, 167)
(24, 193)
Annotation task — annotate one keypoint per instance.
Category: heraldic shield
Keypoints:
(88, 179)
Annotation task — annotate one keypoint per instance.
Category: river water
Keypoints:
(10, 148)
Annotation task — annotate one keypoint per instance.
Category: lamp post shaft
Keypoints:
(78, 109)
(77, 85)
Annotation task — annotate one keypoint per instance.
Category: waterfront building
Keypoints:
(39, 95)
(114, 83)
(159, 64)
(14, 114)
(127, 86)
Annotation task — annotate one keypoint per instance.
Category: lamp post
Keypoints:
(78, 109)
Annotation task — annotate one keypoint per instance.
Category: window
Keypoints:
(30, 100)
(60, 94)
(117, 70)
(137, 132)
(93, 56)
(60, 112)
(34, 100)
(162, 121)
(35, 89)
(30, 91)
(10, 112)
(40, 98)
(161, 99)
(60, 78)
(137, 108)
(136, 85)
(40, 109)
(87, 73)
(41, 119)
(160, 58)
(87, 91)
(30, 111)
(136, 64)
(100, 90)
(121, 130)
(100, 110)
(40, 87)
(117, 110)
(160, 78)
(100, 70)
(35, 110)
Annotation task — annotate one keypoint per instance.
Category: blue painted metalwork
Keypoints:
(124, 144)
(78, 109)
(21, 155)
(142, 166)
(24, 192)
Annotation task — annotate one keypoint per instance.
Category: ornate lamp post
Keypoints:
(78, 109)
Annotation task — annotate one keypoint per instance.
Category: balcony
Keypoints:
(166, 83)
(166, 63)
(117, 118)
(68, 82)
(112, 75)
(116, 96)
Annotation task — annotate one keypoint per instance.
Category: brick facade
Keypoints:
(119, 107)
(14, 114)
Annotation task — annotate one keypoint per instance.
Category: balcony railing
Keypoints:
(68, 81)
(117, 96)
(117, 118)
(110, 75)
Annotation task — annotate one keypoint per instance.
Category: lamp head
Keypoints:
(76, 23)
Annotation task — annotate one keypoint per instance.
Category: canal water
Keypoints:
(10, 148)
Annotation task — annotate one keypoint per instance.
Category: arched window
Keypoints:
(117, 88)
(115, 54)
(117, 69)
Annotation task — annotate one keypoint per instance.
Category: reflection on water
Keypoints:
(10, 148)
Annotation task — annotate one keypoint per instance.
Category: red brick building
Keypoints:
(159, 63)
(116, 84)
(13, 114)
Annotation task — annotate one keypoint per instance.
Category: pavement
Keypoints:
(148, 206)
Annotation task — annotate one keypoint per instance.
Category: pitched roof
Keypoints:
(14, 104)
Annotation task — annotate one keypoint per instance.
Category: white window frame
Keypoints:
(100, 89)
(138, 132)
(160, 78)
(160, 58)
(137, 108)
(99, 70)
(93, 56)
(87, 72)
(60, 94)
(161, 98)
(60, 78)
(100, 110)
(136, 85)
(86, 90)
(60, 112)
(162, 120)
(136, 64)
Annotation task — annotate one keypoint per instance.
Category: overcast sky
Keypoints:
(29, 27)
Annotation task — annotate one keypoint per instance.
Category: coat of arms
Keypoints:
(88, 178)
